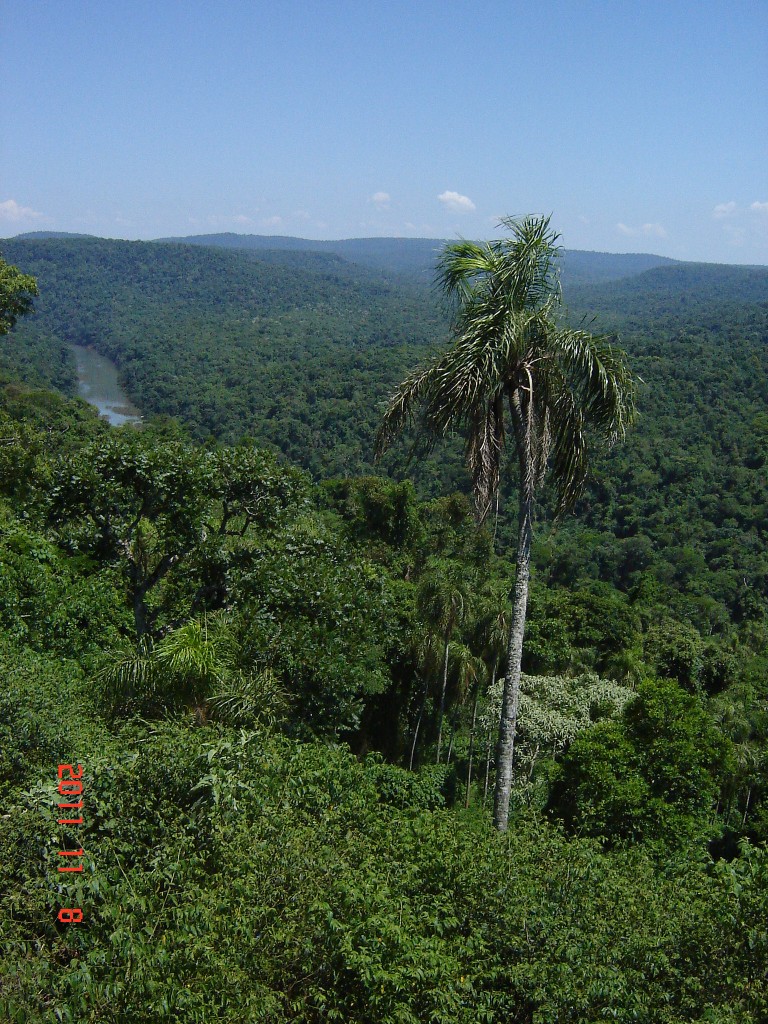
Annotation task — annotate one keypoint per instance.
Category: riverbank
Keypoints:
(98, 384)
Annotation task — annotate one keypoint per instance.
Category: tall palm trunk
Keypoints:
(471, 745)
(450, 745)
(489, 741)
(508, 725)
(559, 384)
(442, 698)
(418, 725)
(488, 748)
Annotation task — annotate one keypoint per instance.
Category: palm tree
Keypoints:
(197, 665)
(513, 362)
(426, 649)
(443, 601)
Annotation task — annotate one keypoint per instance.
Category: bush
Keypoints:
(651, 776)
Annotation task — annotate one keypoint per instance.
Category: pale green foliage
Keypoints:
(199, 653)
(553, 711)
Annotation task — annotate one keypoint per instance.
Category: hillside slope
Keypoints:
(298, 350)
(414, 258)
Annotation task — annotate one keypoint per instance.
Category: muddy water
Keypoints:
(97, 383)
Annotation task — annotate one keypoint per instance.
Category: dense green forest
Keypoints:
(280, 672)
(299, 350)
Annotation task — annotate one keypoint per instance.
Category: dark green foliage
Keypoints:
(414, 258)
(377, 510)
(675, 650)
(324, 621)
(593, 627)
(47, 713)
(238, 877)
(298, 349)
(51, 603)
(41, 420)
(654, 775)
(171, 518)
(298, 354)
(410, 257)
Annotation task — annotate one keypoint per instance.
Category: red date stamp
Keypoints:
(71, 788)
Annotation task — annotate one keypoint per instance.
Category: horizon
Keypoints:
(356, 238)
(636, 128)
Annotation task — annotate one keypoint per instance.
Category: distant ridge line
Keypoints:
(409, 261)
(415, 257)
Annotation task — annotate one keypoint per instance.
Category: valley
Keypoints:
(277, 661)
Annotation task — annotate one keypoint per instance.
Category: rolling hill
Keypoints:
(414, 258)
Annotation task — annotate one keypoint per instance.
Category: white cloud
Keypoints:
(744, 227)
(649, 230)
(272, 222)
(723, 210)
(11, 211)
(381, 200)
(456, 202)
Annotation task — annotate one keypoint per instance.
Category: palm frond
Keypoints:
(465, 668)
(568, 448)
(600, 378)
(250, 699)
(444, 595)
(403, 406)
(462, 265)
(485, 444)
(529, 261)
(129, 677)
(197, 654)
(427, 649)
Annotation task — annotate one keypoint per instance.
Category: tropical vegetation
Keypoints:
(284, 686)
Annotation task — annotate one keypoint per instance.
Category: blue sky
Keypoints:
(641, 126)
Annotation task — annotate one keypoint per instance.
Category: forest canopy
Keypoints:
(281, 672)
